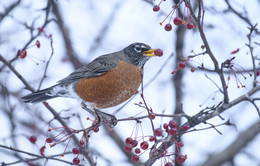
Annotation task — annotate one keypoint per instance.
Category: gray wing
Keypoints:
(97, 67)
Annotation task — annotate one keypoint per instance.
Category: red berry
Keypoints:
(33, 139)
(192, 70)
(137, 150)
(40, 29)
(128, 140)
(172, 124)
(156, 8)
(96, 129)
(177, 21)
(168, 164)
(38, 44)
(181, 159)
(168, 27)
(185, 127)
(165, 125)
(152, 138)
(158, 132)
(189, 25)
(75, 150)
(76, 160)
(81, 142)
(172, 131)
(128, 148)
(30, 163)
(257, 72)
(134, 143)
(236, 51)
(167, 130)
(180, 144)
(135, 158)
(152, 115)
(42, 149)
(144, 145)
(158, 52)
(23, 54)
(181, 65)
(49, 140)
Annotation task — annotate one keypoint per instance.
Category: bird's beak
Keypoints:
(149, 52)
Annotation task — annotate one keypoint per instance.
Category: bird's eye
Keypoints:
(138, 48)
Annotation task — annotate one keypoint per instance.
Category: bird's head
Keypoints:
(139, 53)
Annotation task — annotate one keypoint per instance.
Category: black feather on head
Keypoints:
(135, 54)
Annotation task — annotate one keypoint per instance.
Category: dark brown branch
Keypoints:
(65, 34)
(204, 117)
(47, 63)
(234, 148)
(9, 10)
(240, 15)
(28, 86)
(38, 157)
(249, 36)
(210, 53)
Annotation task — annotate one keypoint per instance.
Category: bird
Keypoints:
(107, 81)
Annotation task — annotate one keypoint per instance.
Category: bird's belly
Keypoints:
(112, 88)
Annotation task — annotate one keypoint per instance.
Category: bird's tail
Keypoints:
(39, 96)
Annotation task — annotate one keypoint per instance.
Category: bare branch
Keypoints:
(235, 147)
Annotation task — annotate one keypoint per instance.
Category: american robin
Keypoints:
(105, 82)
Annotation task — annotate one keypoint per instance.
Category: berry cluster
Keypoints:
(64, 135)
(33, 140)
(22, 54)
(235, 68)
(76, 151)
(171, 129)
(138, 147)
(177, 20)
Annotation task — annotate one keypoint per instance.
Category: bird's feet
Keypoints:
(101, 117)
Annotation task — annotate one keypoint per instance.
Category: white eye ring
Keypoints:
(138, 48)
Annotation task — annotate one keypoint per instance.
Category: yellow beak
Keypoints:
(149, 52)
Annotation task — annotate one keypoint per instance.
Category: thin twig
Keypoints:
(47, 64)
(38, 157)
(210, 53)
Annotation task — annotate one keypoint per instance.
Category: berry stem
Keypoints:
(67, 145)
(167, 16)
(148, 110)
(239, 71)
(177, 146)
(184, 13)
(160, 3)
(244, 70)
(172, 14)
(236, 78)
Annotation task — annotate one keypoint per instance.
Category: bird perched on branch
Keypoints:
(106, 81)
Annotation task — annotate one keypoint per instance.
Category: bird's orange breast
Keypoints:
(111, 88)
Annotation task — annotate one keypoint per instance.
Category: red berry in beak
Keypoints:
(158, 52)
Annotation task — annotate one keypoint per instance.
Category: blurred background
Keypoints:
(73, 33)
